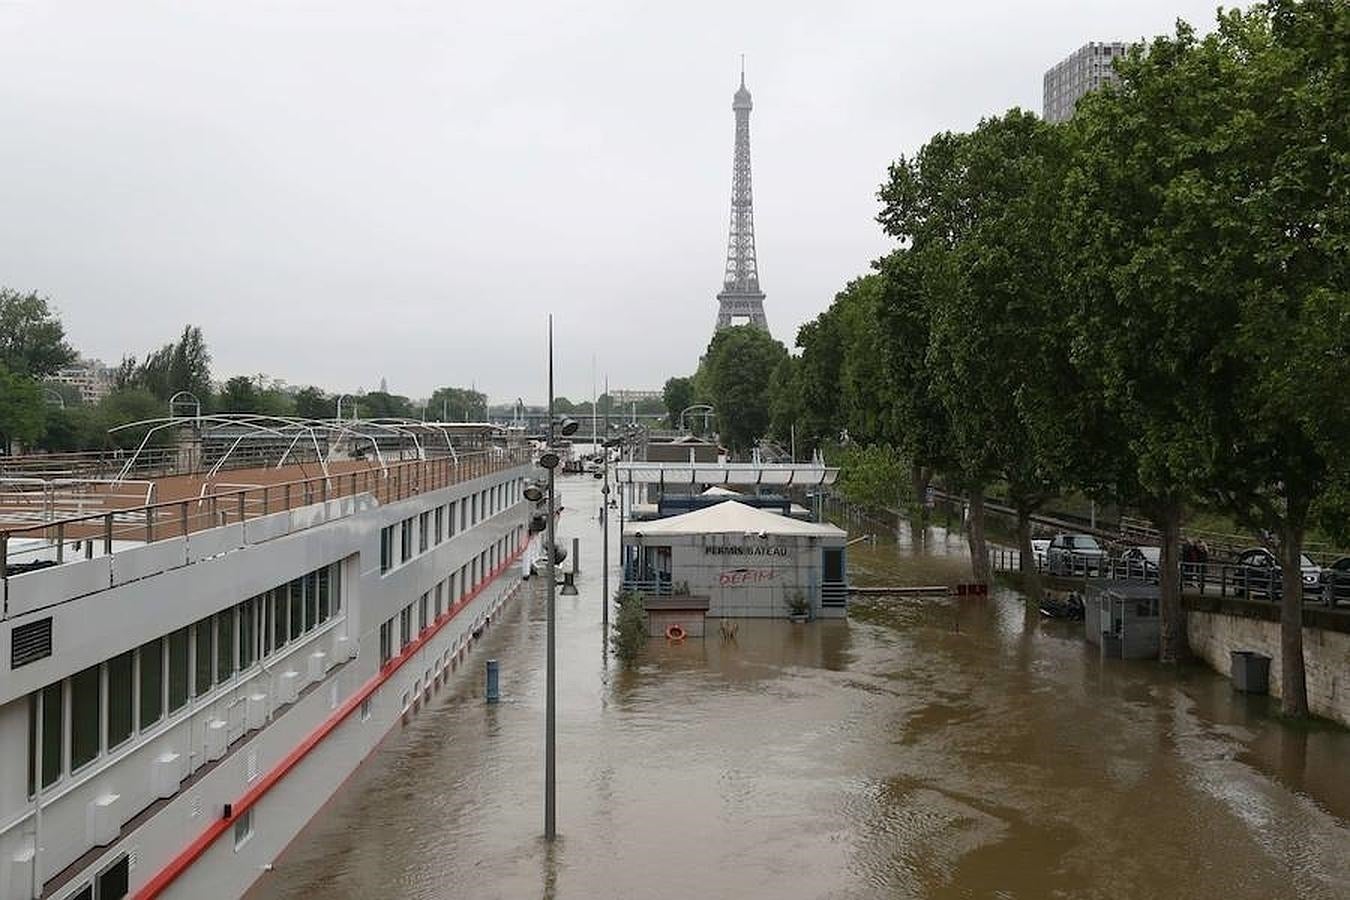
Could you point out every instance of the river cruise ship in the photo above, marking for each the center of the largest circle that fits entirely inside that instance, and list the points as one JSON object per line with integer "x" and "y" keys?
{"x": 200, "y": 643}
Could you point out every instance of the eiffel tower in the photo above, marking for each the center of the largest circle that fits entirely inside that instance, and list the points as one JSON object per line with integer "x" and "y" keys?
{"x": 741, "y": 300}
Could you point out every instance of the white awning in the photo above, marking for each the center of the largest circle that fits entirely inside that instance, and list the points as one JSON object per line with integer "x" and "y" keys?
{"x": 731, "y": 517}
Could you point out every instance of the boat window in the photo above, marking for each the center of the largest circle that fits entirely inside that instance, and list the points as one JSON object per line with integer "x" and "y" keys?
{"x": 204, "y": 669}
{"x": 243, "y": 828}
{"x": 386, "y": 549}
{"x": 440, "y": 524}
{"x": 423, "y": 531}
{"x": 335, "y": 587}
{"x": 224, "y": 645}
{"x": 248, "y": 635}
{"x": 440, "y": 598}
{"x": 85, "y": 708}
{"x": 422, "y": 614}
{"x": 386, "y": 642}
{"x": 120, "y": 703}
{"x": 324, "y": 575}
{"x": 151, "y": 661}
{"x": 405, "y": 627}
{"x": 47, "y": 705}
{"x": 405, "y": 540}
{"x": 178, "y": 670}
{"x": 311, "y": 600}
{"x": 297, "y": 595}
{"x": 279, "y": 608}
{"x": 114, "y": 881}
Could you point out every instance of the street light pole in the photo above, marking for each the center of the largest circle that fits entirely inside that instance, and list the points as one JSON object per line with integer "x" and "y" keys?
{"x": 550, "y": 699}
{"x": 604, "y": 523}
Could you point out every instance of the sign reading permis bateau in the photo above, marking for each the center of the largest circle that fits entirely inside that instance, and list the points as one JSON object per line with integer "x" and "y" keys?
{"x": 744, "y": 550}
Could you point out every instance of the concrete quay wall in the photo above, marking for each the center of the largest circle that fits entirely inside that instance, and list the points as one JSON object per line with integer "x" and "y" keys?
{"x": 1216, "y": 631}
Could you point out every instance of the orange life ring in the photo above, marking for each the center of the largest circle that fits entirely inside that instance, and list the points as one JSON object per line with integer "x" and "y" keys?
{"x": 675, "y": 632}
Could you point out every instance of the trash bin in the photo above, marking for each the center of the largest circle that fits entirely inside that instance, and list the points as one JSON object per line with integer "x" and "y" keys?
{"x": 1251, "y": 671}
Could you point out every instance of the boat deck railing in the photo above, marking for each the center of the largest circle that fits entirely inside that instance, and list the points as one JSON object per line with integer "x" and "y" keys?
{"x": 85, "y": 536}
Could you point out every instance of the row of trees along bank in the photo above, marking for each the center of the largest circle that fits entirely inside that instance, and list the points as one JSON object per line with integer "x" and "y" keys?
{"x": 1148, "y": 304}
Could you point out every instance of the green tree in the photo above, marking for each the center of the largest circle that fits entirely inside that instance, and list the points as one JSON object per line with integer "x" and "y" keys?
{"x": 23, "y": 413}
{"x": 737, "y": 370}
{"x": 678, "y": 395}
{"x": 382, "y": 405}
{"x": 128, "y": 405}
{"x": 873, "y": 475}
{"x": 312, "y": 403}
{"x": 32, "y": 341}
{"x": 1273, "y": 78}
{"x": 902, "y": 407}
{"x": 73, "y": 428}
{"x": 453, "y": 404}
{"x": 785, "y": 399}
{"x": 240, "y": 395}
{"x": 181, "y": 365}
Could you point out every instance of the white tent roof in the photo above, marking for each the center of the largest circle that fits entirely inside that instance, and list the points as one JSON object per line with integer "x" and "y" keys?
{"x": 731, "y": 517}
{"x": 716, "y": 491}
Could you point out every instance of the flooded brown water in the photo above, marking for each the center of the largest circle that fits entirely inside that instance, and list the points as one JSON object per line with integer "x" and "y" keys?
{"x": 935, "y": 748}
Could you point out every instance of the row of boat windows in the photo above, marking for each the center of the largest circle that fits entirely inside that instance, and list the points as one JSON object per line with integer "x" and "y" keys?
{"x": 97, "y": 710}
{"x": 444, "y": 595}
{"x": 436, "y": 525}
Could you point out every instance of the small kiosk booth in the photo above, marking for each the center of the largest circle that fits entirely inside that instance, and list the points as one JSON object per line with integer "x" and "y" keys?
{"x": 1122, "y": 619}
{"x": 733, "y": 560}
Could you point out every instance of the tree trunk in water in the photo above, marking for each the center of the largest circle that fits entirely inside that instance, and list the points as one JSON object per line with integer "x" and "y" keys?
{"x": 1293, "y": 679}
{"x": 979, "y": 551}
{"x": 1173, "y": 644}
{"x": 1031, "y": 576}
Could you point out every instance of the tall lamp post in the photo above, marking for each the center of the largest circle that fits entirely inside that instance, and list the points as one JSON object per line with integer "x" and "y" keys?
{"x": 550, "y": 460}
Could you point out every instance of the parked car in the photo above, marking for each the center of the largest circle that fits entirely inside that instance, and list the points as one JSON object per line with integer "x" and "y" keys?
{"x": 1075, "y": 554}
{"x": 1336, "y": 582}
{"x": 1038, "y": 548}
{"x": 1259, "y": 572}
{"x": 1141, "y": 562}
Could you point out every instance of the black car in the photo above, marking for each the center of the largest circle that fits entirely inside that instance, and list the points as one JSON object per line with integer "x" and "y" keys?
{"x": 1336, "y": 582}
{"x": 1259, "y": 574}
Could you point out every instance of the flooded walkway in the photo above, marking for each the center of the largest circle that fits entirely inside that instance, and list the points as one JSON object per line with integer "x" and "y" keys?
{"x": 922, "y": 749}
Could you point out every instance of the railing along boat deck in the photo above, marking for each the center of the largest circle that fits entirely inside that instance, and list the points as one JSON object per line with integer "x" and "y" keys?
{"x": 190, "y": 509}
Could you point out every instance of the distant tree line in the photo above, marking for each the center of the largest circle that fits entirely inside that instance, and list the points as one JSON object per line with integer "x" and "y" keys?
{"x": 1148, "y": 304}
{"x": 33, "y": 348}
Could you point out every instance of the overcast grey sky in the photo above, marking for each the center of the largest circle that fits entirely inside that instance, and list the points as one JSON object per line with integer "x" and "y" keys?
{"x": 338, "y": 192}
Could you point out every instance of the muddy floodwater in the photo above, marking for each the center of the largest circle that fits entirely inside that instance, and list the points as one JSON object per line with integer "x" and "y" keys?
{"x": 923, "y": 748}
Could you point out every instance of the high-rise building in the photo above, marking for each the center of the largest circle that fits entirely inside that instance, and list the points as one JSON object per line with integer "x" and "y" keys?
{"x": 1086, "y": 69}
{"x": 741, "y": 301}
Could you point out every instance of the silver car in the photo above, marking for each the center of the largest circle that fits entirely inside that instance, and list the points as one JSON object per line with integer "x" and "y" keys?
{"x": 1075, "y": 554}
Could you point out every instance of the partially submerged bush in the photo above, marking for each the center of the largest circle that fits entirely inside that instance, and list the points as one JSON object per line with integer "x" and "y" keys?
{"x": 630, "y": 626}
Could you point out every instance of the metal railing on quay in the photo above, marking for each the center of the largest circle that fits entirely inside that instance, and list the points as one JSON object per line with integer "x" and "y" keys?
{"x": 86, "y": 536}
{"x": 648, "y": 587}
{"x": 1215, "y": 579}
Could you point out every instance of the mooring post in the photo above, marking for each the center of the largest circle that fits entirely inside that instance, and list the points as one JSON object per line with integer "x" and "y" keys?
{"x": 493, "y": 682}
{"x": 576, "y": 557}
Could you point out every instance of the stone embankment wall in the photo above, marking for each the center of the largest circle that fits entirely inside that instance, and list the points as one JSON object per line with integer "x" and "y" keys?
{"x": 1215, "y": 632}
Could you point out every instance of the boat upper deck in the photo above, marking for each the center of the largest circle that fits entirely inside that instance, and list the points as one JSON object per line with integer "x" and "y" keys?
{"x": 62, "y": 515}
